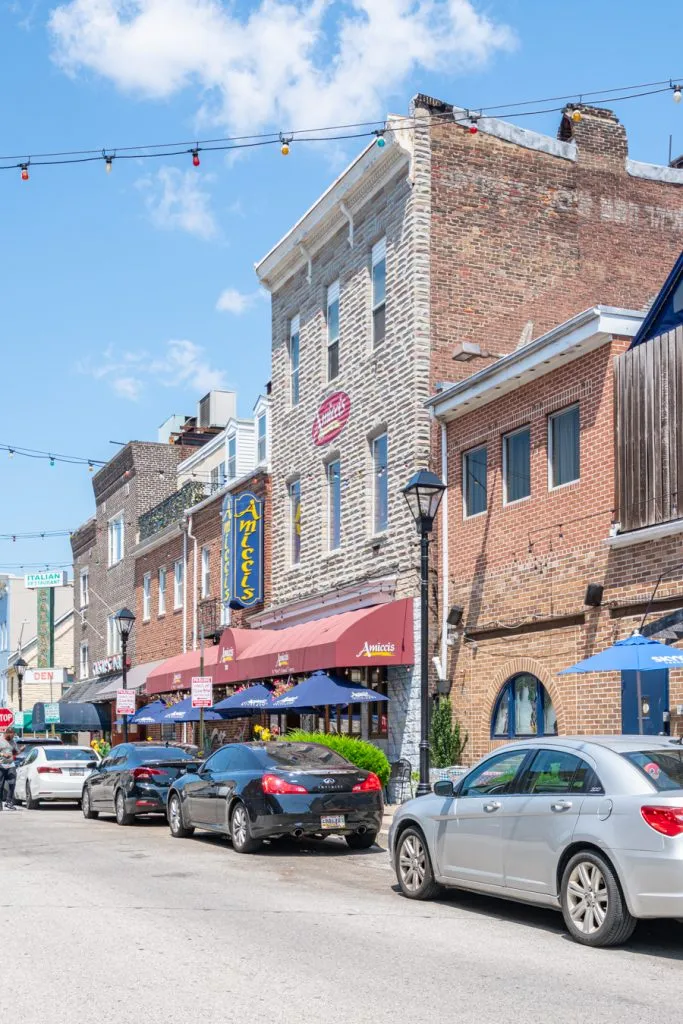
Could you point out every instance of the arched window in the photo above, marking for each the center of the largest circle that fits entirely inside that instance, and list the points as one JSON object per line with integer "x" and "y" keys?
{"x": 523, "y": 708}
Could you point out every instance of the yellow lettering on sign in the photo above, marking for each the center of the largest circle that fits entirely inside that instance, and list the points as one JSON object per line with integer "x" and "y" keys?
{"x": 251, "y": 508}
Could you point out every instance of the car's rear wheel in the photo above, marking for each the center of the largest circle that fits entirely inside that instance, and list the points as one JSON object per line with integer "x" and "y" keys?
{"x": 32, "y": 802}
{"x": 86, "y": 805}
{"x": 240, "y": 831}
{"x": 361, "y": 842}
{"x": 122, "y": 815}
{"x": 414, "y": 866}
{"x": 593, "y": 905}
{"x": 175, "y": 819}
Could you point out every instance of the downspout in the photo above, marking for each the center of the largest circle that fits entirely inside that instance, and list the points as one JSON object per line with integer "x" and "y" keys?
{"x": 194, "y": 581}
{"x": 185, "y": 588}
{"x": 444, "y": 552}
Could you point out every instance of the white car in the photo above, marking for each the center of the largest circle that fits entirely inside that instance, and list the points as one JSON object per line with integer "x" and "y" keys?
{"x": 54, "y": 773}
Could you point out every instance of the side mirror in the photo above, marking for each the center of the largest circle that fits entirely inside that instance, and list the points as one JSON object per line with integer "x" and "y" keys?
{"x": 444, "y": 787}
{"x": 93, "y": 764}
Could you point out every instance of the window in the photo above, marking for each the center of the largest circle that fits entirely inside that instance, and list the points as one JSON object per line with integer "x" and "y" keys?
{"x": 162, "y": 591}
{"x": 516, "y": 465}
{"x": 147, "y": 596}
{"x": 113, "y": 636}
{"x": 261, "y": 439}
{"x": 333, "y": 331}
{"x": 380, "y": 479}
{"x": 116, "y": 539}
{"x": 334, "y": 505}
{"x": 563, "y": 447}
{"x": 84, "y": 664}
{"x": 474, "y": 481}
{"x": 178, "y": 584}
{"x": 495, "y": 775}
{"x": 85, "y": 588}
{"x": 379, "y": 710}
{"x": 523, "y": 708}
{"x": 222, "y": 761}
{"x": 664, "y": 768}
{"x": 232, "y": 457}
{"x": 206, "y": 571}
{"x": 379, "y": 288}
{"x": 295, "y": 521}
{"x": 555, "y": 771}
{"x": 216, "y": 474}
{"x": 294, "y": 328}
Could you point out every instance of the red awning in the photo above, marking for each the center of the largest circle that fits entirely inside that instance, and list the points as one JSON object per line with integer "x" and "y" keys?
{"x": 381, "y": 635}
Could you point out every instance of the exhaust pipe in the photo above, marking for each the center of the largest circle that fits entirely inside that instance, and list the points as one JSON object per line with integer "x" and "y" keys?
{"x": 297, "y": 833}
{"x": 362, "y": 830}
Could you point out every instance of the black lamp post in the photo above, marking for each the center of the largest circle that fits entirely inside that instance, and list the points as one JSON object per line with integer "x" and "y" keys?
{"x": 423, "y": 493}
{"x": 20, "y": 667}
{"x": 125, "y": 620}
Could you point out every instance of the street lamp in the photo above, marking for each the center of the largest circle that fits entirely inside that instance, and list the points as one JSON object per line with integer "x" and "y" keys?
{"x": 423, "y": 493}
{"x": 125, "y": 620}
{"x": 20, "y": 667}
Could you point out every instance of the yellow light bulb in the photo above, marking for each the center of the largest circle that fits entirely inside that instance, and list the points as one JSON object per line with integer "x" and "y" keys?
{"x": 284, "y": 149}
{"x": 577, "y": 116}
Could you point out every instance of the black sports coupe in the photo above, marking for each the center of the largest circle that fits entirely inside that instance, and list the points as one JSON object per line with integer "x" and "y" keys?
{"x": 257, "y": 791}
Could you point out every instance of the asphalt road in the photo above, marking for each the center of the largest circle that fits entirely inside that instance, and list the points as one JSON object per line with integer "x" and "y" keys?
{"x": 106, "y": 924}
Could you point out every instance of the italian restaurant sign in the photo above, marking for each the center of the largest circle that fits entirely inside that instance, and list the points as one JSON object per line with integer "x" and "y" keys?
{"x": 242, "y": 552}
{"x": 331, "y": 418}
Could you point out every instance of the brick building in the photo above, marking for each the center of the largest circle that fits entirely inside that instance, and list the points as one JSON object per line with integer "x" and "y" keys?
{"x": 426, "y": 260}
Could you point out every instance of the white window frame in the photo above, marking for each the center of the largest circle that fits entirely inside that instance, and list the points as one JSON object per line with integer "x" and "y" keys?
{"x": 85, "y": 587}
{"x": 147, "y": 597}
{"x": 178, "y": 584}
{"x": 333, "y": 296}
{"x": 84, "y": 661}
{"x": 161, "y": 605}
{"x": 206, "y": 572}
{"x": 294, "y": 370}
{"x": 113, "y": 637}
{"x": 375, "y": 475}
{"x": 331, "y": 546}
{"x": 118, "y": 518}
{"x": 379, "y": 254}
{"x": 262, "y": 457}
{"x": 552, "y": 416}
{"x": 232, "y": 458}
{"x": 512, "y": 433}
{"x": 471, "y": 451}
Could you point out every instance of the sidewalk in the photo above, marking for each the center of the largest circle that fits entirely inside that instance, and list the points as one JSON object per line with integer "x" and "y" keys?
{"x": 387, "y": 818}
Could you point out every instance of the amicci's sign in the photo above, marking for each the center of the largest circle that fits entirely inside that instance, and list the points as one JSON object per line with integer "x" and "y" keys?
{"x": 331, "y": 418}
{"x": 242, "y": 551}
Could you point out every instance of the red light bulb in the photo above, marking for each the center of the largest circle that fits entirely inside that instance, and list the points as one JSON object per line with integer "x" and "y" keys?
{"x": 473, "y": 129}
{"x": 24, "y": 173}
{"x": 195, "y": 158}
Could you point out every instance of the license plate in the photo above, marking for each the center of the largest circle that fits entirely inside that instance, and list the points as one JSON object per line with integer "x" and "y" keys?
{"x": 76, "y": 771}
{"x": 332, "y": 821}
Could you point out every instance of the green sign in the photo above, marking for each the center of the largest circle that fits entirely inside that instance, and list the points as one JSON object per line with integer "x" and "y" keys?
{"x": 52, "y": 714}
{"x": 45, "y": 627}
{"x": 19, "y": 719}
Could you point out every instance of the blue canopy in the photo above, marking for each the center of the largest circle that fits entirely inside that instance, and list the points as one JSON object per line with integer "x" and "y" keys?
{"x": 249, "y": 701}
{"x": 150, "y": 714}
{"x": 321, "y": 690}
{"x": 184, "y": 712}
{"x": 635, "y": 654}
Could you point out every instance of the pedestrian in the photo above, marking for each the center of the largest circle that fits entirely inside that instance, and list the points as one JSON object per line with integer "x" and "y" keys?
{"x": 8, "y": 773}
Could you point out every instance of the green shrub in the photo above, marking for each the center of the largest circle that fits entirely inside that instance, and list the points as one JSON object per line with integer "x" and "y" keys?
{"x": 445, "y": 742}
{"x": 358, "y": 752}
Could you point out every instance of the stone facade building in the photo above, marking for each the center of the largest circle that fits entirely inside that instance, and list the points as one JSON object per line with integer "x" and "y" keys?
{"x": 430, "y": 257}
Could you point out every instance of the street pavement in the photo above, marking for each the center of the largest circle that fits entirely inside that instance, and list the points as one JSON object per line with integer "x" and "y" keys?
{"x": 100, "y": 923}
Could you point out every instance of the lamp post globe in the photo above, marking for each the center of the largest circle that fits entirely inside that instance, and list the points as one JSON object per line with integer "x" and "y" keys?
{"x": 20, "y": 667}
{"x": 125, "y": 620}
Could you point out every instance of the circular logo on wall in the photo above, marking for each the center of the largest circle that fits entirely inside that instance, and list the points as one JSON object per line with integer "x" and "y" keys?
{"x": 331, "y": 418}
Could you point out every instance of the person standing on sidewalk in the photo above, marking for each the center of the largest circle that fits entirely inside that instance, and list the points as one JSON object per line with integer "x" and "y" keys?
{"x": 8, "y": 773}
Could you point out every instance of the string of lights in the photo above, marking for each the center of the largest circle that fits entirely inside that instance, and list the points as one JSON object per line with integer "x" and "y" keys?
{"x": 51, "y": 457}
{"x": 35, "y": 535}
{"x": 334, "y": 133}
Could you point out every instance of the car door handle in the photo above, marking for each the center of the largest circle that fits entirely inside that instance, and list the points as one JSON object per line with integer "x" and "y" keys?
{"x": 493, "y": 806}
{"x": 561, "y": 805}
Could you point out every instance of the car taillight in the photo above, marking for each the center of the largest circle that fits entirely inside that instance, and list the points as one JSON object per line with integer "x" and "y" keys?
{"x": 274, "y": 786}
{"x": 667, "y": 820}
{"x": 370, "y": 785}
{"x": 49, "y": 770}
{"x": 146, "y": 774}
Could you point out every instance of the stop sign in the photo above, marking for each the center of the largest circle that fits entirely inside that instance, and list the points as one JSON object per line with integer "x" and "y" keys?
{"x": 6, "y": 718}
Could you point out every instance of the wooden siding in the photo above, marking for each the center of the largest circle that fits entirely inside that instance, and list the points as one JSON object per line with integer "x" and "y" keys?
{"x": 649, "y": 430}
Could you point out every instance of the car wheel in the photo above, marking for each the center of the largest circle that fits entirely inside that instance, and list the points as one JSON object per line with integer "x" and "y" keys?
{"x": 414, "y": 866}
{"x": 361, "y": 842}
{"x": 175, "y": 819}
{"x": 593, "y": 905}
{"x": 122, "y": 815}
{"x": 86, "y": 806}
{"x": 240, "y": 831}
{"x": 32, "y": 803}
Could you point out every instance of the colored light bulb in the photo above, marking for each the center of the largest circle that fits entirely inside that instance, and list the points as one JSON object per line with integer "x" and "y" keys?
{"x": 108, "y": 164}
{"x": 677, "y": 94}
{"x": 24, "y": 172}
{"x": 195, "y": 158}
{"x": 577, "y": 116}
{"x": 284, "y": 148}
{"x": 381, "y": 141}
{"x": 473, "y": 129}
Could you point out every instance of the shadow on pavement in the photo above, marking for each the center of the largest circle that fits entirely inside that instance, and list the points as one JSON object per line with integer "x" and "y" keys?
{"x": 296, "y": 848}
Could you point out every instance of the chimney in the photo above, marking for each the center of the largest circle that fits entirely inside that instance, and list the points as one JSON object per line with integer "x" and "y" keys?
{"x": 599, "y": 136}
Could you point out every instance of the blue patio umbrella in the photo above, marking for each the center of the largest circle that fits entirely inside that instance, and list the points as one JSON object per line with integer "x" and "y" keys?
{"x": 635, "y": 654}
{"x": 184, "y": 712}
{"x": 250, "y": 701}
{"x": 321, "y": 690}
{"x": 150, "y": 714}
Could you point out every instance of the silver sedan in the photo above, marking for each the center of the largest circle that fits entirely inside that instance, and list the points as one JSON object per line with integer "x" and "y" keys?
{"x": 591, "y": 825}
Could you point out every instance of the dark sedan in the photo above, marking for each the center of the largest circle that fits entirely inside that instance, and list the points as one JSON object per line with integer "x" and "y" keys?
{"x": 257, "y": 791}
{"x": 134, "y": 779}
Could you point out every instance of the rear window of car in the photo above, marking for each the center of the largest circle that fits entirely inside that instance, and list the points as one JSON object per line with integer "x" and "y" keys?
{"x": 664, "y": 768}
{"x": 162, "y": 754}
{"x": 304, "y": 755}
{"x": 69, "y": 754}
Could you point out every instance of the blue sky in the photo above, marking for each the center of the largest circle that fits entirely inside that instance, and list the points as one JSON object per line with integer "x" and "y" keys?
{"x": 112, "y": 284}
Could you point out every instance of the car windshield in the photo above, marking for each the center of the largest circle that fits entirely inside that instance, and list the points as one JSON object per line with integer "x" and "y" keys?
{"x": 304, "y": 755}
{"x": 664, "y": 768}
{"x": 162, "y": 754}
{"x": 69, "y": 754}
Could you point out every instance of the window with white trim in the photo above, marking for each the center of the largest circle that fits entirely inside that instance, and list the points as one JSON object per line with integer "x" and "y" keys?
{"x": 206, "y": 571}
{"x": 333, "y": 331}
{"x": 380, "y": 483}
{"x": 84, "y": 662}
{"x": 147, "y": 596}
{"x": 294, "y": 343}
{"x": 232, "y": 457}
{"x": 85, "y": 587}
{"x": 178, "y": 573}
{"x": 379, "y": 291}
{"x": 334, "y": 505}
{"x": 516, "y": 465}
{"x": 564, "y": 433}
{"x": 161, "y": 607}
{"x": 262, "y": 438}
{"x": 113, "y": 636}
{"x": 115, "y": 536}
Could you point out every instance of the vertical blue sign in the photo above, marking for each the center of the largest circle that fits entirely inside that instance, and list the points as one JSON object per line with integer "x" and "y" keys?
{"x": 247, "y": 550}
{"x": 226, "y": 552}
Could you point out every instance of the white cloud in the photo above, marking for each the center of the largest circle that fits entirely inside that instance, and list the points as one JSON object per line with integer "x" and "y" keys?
{"x": 186, "y": 366}
{"x": 283, "y": 64}
{"x": 127, "y": 387}
{"x": 183, "y": 365}
{"x": 177, "y": 200}
{"x": 233, "y": 301}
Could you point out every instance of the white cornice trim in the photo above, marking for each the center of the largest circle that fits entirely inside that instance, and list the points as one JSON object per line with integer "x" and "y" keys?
{"x": 647, "y": 533}
{"x": 345, "y": 599}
